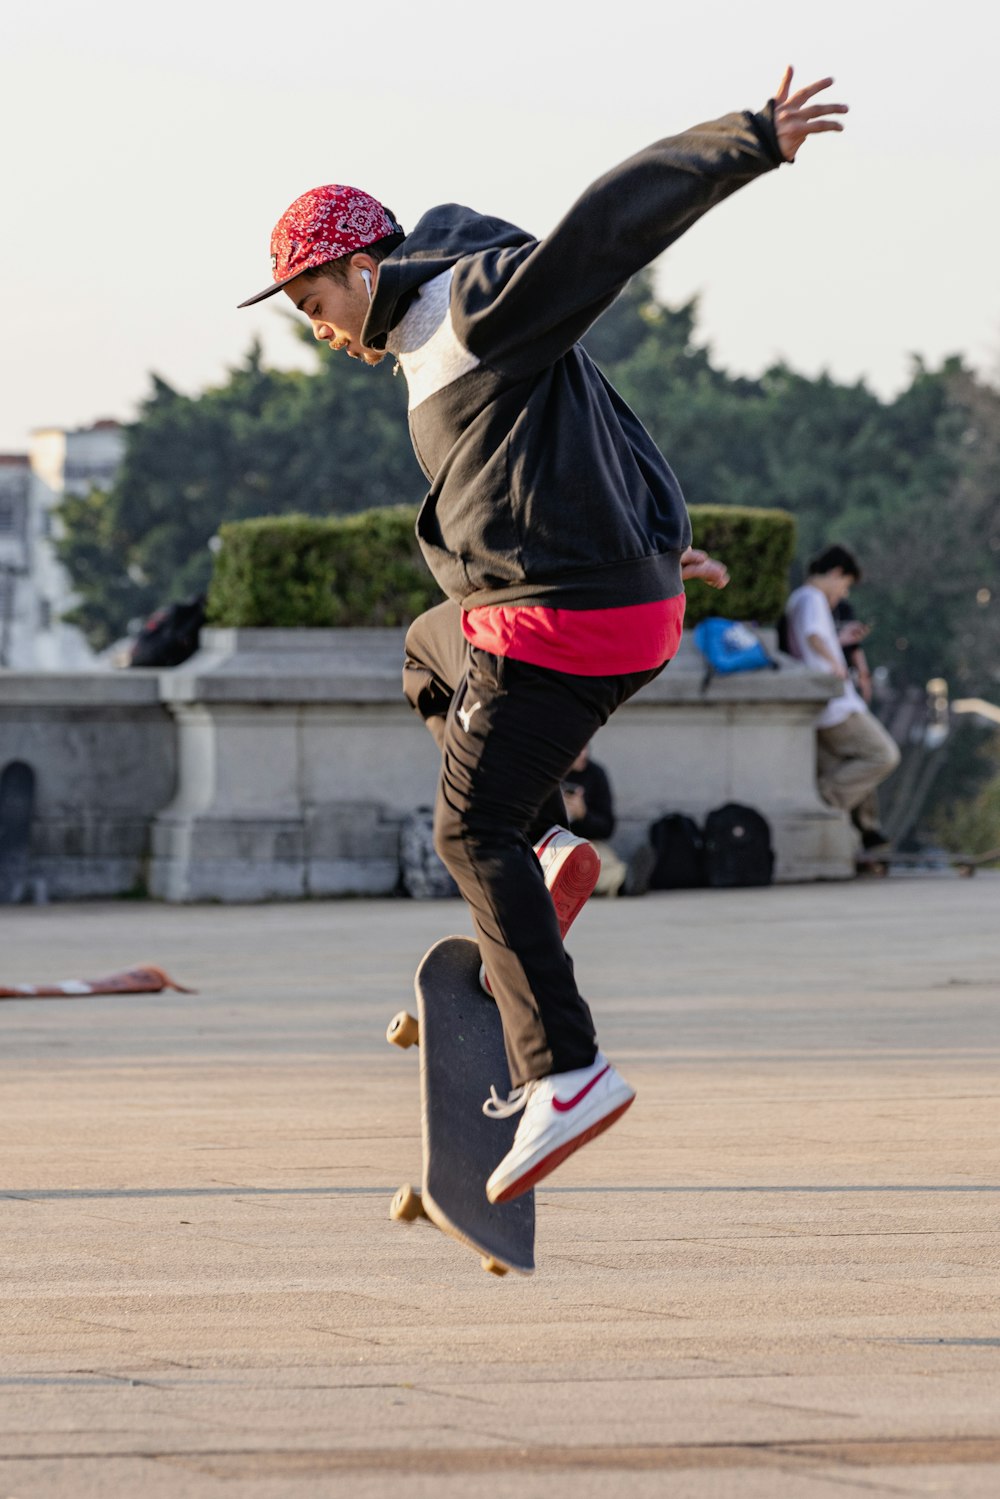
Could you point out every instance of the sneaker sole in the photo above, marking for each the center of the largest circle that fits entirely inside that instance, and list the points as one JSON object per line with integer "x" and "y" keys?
{"x": 574, "y": 884}
{"x": 542, "y": 1168}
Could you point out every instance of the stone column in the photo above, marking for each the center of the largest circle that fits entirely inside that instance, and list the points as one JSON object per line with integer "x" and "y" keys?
{"x": 298, "y": 759}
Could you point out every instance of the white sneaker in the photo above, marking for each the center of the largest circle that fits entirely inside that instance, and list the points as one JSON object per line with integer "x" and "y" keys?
{"x": 571, "y": 867}
{"x": 561, "y": 1113}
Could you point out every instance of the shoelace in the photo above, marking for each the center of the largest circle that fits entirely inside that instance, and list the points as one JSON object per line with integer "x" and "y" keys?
{"x": 496, "y": 1107}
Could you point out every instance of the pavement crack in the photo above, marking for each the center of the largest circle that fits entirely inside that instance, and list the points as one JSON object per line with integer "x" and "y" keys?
{"x": 808, "y": 1410}
{"x": 347, "y": 1336}
{"x": 633, "y": 1313}
{"x": 125, "y": 1379}
{"x": 86, "y": 1322}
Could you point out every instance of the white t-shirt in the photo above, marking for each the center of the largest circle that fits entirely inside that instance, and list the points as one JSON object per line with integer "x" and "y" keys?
{"x": 808, "y": 613}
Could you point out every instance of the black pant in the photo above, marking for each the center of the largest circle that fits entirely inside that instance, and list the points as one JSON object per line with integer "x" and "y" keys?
{"x": 508, "y": 734}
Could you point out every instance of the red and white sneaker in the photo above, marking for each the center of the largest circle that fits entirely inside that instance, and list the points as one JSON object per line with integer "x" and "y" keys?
{"x": 571, "y": 867}
{"x": 561, "y": 1113}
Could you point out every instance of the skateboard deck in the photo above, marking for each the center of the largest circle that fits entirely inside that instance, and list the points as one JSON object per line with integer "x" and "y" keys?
{"x": 963, "y": 864}
{"x": 461, "y": 1055}
{"x": 17, "y": 806}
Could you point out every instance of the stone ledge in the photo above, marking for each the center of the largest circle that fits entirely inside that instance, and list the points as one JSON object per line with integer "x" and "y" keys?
{"x": 364, "y": 666}
{"x": 87, "y": 689}
{"x": 280, "y": 764}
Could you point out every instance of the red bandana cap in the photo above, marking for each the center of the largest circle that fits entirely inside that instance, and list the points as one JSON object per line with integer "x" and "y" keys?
{"x": 324, "y": 224}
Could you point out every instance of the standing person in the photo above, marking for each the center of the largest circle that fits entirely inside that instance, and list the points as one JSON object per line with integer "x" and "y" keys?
{"x": 556, "y": 529}
{"x": 854, "y": 752}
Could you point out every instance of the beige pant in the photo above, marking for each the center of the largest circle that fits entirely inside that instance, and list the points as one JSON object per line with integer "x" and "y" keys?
{"x": 613, "y": 871}
{"x": 851, "y": 759}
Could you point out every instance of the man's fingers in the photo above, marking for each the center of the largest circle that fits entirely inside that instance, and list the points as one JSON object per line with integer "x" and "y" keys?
{"x": 795, "y": 120}
{"x": 815, "y": 110}
{"x": 803, "y": 94}
{"x": 794, "y": 126}
{"x": 783, "y": 87}
{"x": 814, "y": 127}
{"x": 715, "y": 574}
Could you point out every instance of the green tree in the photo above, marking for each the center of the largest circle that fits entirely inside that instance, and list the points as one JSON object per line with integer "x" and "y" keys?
{"x": 912, "y": 484}
{"x": 266, "y": 442}
{"x": 933, "y": 548}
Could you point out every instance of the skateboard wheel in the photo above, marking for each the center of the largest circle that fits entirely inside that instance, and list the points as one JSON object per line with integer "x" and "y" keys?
{"x": 406, "y": 1206}
{"x": 403, "y": 1030}
{"x": 492, "y": 1266}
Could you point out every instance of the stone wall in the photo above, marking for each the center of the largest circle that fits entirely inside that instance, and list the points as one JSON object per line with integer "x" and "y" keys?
{"x": 279, "y": 764}
{"x": 104, "y": 751}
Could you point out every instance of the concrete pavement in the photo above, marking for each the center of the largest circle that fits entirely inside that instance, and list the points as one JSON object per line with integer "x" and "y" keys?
{"x": 777, "y": 1276}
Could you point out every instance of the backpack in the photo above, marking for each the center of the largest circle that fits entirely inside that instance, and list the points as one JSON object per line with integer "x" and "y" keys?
{"x": 783, "y": 635}
{"x": 423, "y": 875}
{"x": 729, "y": 645}
{"x": 679, "y": 853}
{"x": 170, "y": 635}
{"x": 737, "y": 847}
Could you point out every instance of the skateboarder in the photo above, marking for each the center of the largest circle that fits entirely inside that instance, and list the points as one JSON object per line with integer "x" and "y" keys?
{"x": 554, "y": 526}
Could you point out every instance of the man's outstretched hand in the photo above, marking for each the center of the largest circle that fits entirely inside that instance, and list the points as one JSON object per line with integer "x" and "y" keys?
{"x": 795, "y": 117}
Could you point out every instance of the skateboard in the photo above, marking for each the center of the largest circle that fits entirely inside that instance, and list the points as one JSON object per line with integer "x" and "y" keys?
{"x": 963, "y": 864}
{"x": 17, "y": 806}
{"x": 460, "y": 1037}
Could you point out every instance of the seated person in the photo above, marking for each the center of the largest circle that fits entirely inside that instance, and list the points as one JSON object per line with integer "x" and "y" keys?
{"x": 854, "y": 752}
{"x": 590, "y": 809}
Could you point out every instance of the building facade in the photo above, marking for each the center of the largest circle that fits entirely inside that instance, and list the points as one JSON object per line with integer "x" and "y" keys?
{"x": 15, "y": 557}
{"x": 35, "y": 589}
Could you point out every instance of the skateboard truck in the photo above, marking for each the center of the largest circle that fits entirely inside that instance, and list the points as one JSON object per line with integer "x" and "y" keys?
{"x": 403, "y": 1030}
{"x": 407, "y": 1207}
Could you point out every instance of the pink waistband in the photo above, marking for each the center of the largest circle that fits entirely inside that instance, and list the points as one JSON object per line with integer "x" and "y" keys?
{"x": 583, "y": 642}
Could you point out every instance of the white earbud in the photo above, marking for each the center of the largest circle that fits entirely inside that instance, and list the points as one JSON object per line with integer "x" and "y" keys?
{"x": 366, "y": 277}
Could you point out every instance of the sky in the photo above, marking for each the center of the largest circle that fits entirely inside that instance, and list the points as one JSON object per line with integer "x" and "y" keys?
{"x": 149, "y": 150}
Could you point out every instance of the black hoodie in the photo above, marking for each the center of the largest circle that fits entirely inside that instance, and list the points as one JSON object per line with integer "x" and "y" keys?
{"x": 545, "y": 487}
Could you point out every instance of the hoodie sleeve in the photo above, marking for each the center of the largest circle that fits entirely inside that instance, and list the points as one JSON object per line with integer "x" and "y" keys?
{"x": 519, "y": 309}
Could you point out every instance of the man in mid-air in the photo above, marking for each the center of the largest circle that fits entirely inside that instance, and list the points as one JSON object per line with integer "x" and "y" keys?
{"x": 556, "y": 529}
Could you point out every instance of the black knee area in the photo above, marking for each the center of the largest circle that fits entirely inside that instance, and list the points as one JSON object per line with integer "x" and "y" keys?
{"x": 463, "y": 838}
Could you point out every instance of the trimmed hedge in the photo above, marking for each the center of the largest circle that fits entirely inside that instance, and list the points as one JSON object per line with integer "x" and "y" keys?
{"x": 300, "y": 571}
{"x": 757, "y": 546}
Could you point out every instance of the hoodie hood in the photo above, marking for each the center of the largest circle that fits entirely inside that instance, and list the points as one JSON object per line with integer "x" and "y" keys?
{"x": 441, "y": 238}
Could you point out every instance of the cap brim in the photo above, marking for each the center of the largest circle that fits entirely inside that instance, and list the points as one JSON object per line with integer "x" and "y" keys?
{"x": 268, "y": 291}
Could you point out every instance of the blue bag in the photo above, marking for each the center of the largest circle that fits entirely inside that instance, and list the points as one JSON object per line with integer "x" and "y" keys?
{"x": 729, "y": 645}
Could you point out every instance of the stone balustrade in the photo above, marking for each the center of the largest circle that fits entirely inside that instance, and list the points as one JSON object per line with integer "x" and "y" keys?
{"x": 278, "y": 764}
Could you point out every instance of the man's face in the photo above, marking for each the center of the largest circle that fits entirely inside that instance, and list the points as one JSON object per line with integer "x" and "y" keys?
{"x": 840, "y": 586}
{"x": 337, "y": 309}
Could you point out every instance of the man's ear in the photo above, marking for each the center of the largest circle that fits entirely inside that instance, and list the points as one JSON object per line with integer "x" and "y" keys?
{"x": 360, "y": 261}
